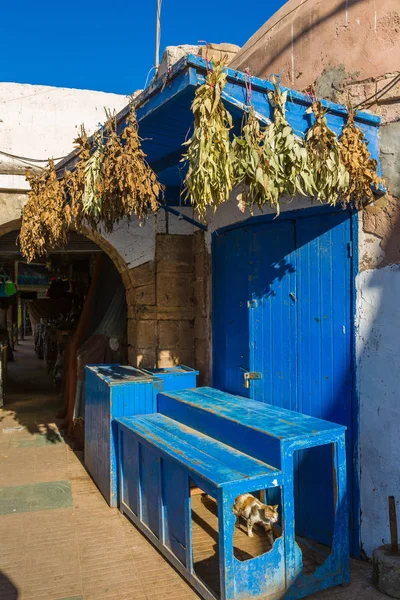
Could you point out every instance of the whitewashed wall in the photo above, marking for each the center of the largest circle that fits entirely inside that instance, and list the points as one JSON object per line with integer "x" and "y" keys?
{"x": 42, "y": 122}
{"x": 378, "y": 370}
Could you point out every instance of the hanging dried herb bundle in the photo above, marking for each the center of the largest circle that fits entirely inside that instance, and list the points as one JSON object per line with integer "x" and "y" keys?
{"x": 330, "y": 178}
{"x": 92, "y": 197}
{"x": 357, "y": 160}
{"x": 44, "y": 220}
{"x": 252, "y": 171}
{"x": 136, "y": 185}
{"x": 75, "y": 181}
{"x": 287, "y": 158}
{"x": 118, "y": 180}
{"x": 210, "y": 176}
{"x": 110, "y": 208}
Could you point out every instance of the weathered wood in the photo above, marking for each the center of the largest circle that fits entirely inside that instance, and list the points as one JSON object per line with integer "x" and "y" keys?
{"x": 394, "y": 536}
{"x": 227, "y": 445}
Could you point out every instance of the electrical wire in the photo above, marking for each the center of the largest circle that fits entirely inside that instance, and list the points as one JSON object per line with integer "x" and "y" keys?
{"x": 382, "y": 92}
{"x": 148, "y": 75}
{"x": 28, "y": 160}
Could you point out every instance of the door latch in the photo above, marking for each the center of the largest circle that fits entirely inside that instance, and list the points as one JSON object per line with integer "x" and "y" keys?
{"x": 248, "y": 376}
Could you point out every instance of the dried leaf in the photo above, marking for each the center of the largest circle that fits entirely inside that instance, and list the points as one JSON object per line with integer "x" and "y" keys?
{"x": 357, "y": 160}
{"x": 210, "y": 176}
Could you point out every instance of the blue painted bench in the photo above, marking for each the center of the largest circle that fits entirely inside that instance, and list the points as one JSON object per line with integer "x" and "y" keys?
{"x": 228, "y": 445}
{"x": 158, "y": 459}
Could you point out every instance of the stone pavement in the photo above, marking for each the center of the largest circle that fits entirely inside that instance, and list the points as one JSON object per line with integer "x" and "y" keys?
{"x": 59, "y": 540}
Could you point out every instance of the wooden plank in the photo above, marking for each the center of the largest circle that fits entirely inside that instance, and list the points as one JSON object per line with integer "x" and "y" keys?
{"x": 227, "y": 430}
{"x": 226, "y": 454}
{"x": 193, "y": 459}
{"x": 271, "y": 420}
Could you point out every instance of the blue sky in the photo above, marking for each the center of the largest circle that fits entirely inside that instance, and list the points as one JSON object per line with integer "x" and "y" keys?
{"x": 109, "y": 45}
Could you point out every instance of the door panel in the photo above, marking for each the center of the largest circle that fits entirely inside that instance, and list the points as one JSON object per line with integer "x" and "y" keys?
{"x": 272, "y": 313}
{"x": 230, "y": 314}
{"x": 324, "y": 357}
{"x": 282, "y": 307}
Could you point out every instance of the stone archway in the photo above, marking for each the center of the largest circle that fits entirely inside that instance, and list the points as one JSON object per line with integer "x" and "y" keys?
{"x": 104, "y": 244}
{"x": 121, "y": 266}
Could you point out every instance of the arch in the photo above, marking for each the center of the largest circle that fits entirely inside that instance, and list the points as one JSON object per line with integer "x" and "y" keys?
{"x": 123, "y": 269}
{"x": 104, "y": 244}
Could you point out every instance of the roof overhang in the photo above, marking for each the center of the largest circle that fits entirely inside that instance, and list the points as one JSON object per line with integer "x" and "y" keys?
{"x": 165, "y": 118}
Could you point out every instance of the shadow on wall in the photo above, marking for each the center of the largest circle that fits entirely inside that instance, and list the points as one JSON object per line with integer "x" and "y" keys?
{"x": 304, "y": 31}
{"x": 378, "y": 365}
{"x": 8, "y": 591}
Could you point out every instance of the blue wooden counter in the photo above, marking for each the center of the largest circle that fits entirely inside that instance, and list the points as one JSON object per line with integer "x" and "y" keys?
{"x": 112, "y": 391}
{"x": 274, "y": 435}
{"x": 228, "y": 445}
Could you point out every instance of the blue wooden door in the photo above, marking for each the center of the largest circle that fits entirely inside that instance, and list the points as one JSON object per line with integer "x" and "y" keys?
{"x": 231, "y": 341}
{"x": 325, "y": 373}
{"x": 282, "y": 308}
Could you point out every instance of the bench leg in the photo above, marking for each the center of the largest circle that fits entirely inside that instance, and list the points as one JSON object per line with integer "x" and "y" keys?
{"x": 336, "y": 567}
{"x": 293, "y": 559}
{"x": 342, "y": 547}
{"x": 226, "y": 525}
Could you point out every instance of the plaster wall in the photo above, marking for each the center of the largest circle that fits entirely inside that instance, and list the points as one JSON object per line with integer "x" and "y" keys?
{"x": 41, "y": 122}
{"x": 378, "y": 365}
{"x": 305, "y": 37}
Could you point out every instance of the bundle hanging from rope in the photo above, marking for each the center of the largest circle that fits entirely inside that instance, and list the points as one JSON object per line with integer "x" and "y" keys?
{"x": 210, "y": 176}
{"x": 252, "y": 171}
{"x": 362, "y": 169}
{"x": 286, "y": 155}
{"x": 45, "y": 221}
{"x": 75, "y": 180}
{"x": 329, "y": 176}
{"x": 92, "y": 199}
{"x": 119, "y": 181}
{"x": 139, "y": 190}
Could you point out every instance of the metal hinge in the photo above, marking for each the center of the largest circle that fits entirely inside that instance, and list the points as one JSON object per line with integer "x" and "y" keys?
{"x": 350, "y": 249}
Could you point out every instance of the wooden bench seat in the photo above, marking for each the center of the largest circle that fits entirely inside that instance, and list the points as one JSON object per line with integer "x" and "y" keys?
{"x": 159, "y": 459}
{"x": 205, "y": 458}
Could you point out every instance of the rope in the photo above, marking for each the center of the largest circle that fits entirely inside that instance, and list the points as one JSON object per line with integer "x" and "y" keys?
{"x": 248, "y": 86}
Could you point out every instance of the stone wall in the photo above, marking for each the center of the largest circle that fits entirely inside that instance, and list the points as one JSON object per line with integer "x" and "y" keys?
{"x": 202, "y": 308}
{"x": 161, "y": 306}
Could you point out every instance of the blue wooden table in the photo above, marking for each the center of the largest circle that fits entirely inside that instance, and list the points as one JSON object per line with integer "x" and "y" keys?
{"x": 228, "y": 445}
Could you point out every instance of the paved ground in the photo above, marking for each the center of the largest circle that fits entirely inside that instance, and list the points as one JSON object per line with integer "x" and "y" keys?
{"x": 58, "y": 538}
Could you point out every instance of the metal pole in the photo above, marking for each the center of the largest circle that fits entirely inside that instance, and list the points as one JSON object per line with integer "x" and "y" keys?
{"x": 394, "y": 538}
{"x": 158, "y": 30}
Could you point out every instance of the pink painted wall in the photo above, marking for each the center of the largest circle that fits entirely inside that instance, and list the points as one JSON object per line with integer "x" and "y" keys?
{"x": 306, "y": 36}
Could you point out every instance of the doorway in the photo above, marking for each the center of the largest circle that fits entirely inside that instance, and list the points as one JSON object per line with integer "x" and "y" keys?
{"x": 283, "y": 298}
{"x": 67, "y": 310}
